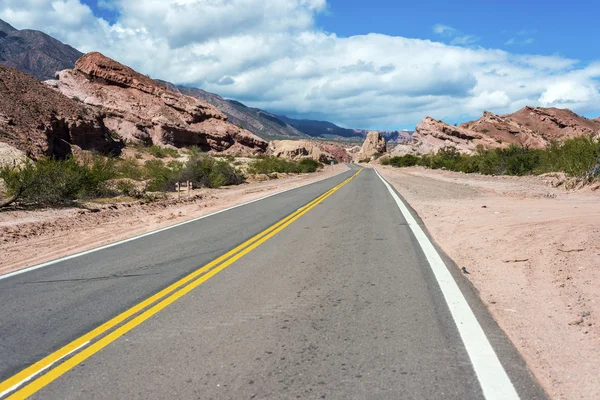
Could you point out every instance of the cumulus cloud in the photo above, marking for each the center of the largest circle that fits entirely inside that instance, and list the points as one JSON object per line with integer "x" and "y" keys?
{"x": 270, "y": 54}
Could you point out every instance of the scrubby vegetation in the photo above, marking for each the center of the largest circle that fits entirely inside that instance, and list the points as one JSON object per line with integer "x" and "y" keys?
{"x": 49, "y": 181}
{"x": 270, "y": 164}
{"x": 202, "y": 171}
{"x": 163, "y": 152}
{"x": 577, "y": 157}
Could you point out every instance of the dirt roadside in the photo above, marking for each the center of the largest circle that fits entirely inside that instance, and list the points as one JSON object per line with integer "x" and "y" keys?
{"x": 33, "y": 237}
{"x": 532, "y": 251}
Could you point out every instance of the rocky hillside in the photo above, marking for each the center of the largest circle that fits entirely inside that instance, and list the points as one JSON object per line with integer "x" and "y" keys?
{"x": 139, "y": 109}
{"x": 34, "y": 52}
{"x": 532, "y": 127}
{"x": 39, "y": 121}
{"x": 257, "y": 121}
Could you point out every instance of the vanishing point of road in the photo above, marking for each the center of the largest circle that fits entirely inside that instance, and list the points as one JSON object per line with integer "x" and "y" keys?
{"x": 332, "y": 290}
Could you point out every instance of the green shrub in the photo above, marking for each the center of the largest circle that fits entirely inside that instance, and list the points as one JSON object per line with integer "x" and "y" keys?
{"x": 365, "y": 160}
{"x": 202, "y": 171}
{"x": 50, "y": 182}
{"x": 578, "y": 157}
{"x": 308, "y": 165}
{"x": 162, "y": 152}
{"x": 129, "y": 168}
{"x": 270, "y": 164}
{"x": 403, "y": 161}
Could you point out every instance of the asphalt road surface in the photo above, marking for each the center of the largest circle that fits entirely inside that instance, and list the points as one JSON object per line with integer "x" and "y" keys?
{"x": 334, "y": 300}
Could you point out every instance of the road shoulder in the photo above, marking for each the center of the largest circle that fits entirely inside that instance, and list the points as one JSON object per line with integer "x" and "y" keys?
{"x": 514, "y": 237}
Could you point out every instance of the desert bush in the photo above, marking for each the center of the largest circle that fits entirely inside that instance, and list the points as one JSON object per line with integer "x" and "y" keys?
{"x": 49, "y": 181}
{"x": 578, "y": 157}
{"x": 202, "y": 171}
{"x": 163, "y": 152}
{"x": 365, "y": 160}
{"x": 129, "y": 168}
{"x": 403, "y": 161}
{"x": 270, "y": 164}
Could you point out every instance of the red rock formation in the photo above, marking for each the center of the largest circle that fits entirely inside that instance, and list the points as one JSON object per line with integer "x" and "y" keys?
{"x": 555, "y": 124}
{"x": 337, "y": 151}
{"x": 432, "y": 135}
{"x": 531, "y": 126}
{"x": 140, "y": 109}
{"x": 39, "y": 121}
{"x": 504, "y": 130}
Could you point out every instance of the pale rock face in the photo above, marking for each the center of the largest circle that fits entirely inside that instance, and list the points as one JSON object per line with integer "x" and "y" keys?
{"x": 374, "y": 144}
{"x": 11, "y": 156}
{"x": 139, "y": 109}
{"x": 299, "y": 149}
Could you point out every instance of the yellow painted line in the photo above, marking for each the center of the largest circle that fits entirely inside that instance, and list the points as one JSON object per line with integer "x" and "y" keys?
{"x": 229, "y": 258}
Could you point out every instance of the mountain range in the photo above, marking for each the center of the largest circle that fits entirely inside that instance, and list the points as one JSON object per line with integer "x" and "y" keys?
{"x": 34, "y": 52}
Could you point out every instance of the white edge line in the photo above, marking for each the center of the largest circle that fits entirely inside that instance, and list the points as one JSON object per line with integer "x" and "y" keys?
{"x": 86, "y": 252}
{"x": 494, "y": 381}
{"x": 19, "y": 384}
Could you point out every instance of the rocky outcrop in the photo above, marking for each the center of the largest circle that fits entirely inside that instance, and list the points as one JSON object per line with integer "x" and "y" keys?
{"x": 299, "y": 149}
{"x": 554, "y": 123}
{"x": 138, "y": 109}
{"x": 338, "y": 152}
{"x": 10, "y": 155}
{"x": 506, "y": 131}
{"x": 39, "y": 121}
{"x": 373, "y": 145}
{"x": 432, "y": 135}
{"x": 532, "y": 127}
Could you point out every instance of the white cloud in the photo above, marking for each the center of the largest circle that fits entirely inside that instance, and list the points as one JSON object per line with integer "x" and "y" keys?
{"x": 441, "y": 29}
{"x": 269, "y": 54}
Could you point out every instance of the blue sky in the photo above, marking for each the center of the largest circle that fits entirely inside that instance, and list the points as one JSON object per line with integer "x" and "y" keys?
{"x": 377, "y": 64}
{"x": 542, "y": 27}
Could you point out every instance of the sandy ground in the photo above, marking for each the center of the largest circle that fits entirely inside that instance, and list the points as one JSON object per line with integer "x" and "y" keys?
{"x": 33, "y": 237}
{"x": 532, "y": 251}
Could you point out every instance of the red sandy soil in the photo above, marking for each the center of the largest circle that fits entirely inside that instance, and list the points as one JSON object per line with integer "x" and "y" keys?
{"x": 532, "y": 251}
{"x": 32, "y": 237}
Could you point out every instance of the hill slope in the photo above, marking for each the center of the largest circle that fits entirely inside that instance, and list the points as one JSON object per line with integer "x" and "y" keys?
{"x": 34, "y": 52}
{"x": 257, "y": 121}
{"x": 38, "y": 121}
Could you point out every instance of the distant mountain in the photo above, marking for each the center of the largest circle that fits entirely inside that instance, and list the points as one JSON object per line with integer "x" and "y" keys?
{"x": 328, "y": 130}
{"x": 320, "y": 128}
{"x": 257, "y": 121}
{"x": 34, "y": 52}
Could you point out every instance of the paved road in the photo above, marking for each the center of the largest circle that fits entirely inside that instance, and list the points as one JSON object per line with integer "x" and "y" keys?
{"x": 341, "y": 303}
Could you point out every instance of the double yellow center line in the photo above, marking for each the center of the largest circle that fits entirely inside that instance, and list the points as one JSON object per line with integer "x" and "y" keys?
{"x": 81, "y": 349}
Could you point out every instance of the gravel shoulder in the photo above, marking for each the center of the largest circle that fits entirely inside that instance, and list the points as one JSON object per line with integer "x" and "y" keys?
{"x": 31, "y": 237}
{"x": 532, "y": 251}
